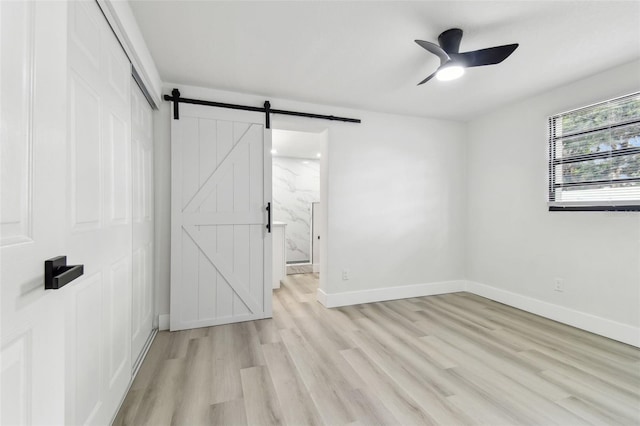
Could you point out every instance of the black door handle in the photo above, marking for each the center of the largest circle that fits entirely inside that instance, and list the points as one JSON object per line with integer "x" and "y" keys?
{"x": 58, "y": 274}
{"x": 269, "y": 217}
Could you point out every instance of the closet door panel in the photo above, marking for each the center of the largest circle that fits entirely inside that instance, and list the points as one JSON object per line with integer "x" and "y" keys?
{"x": 32, "y": 165}
{"x": 142, "y": 208}
{"x": 67, "y": 190}
{"x": 99, "y": 114}
{"x": 86, "y": 155}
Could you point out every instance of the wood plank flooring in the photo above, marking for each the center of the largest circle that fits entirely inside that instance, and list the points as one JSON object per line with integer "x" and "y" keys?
{"x": 299, "y": 269}
{"x": 455, "y": 359}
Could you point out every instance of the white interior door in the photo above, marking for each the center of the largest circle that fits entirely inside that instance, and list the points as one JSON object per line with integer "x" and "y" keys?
{"x": 142, "y": 210}
{"x": 220, "y": 248}
{"x": 100, "y": 232}
{"x": 32, "y": 214}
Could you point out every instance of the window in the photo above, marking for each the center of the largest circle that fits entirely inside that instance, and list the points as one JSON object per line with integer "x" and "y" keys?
{"x": 594, "y": 157}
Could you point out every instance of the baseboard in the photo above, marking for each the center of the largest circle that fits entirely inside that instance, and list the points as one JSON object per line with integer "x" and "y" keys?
{"x": 322, "y": 297}
{"x": 612, "y": 329}
{"x": 316, "y": 268}
{"x": 163, "y": 322}
{"x": 332, "y": 300}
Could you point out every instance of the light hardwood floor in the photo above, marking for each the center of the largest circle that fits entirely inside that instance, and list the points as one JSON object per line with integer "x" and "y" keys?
{"x": 299, "y": 269}
{"x": 453, "y": 359}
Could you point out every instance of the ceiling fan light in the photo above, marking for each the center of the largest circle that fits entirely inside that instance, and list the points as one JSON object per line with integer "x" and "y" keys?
{"x": 450, "y": 73}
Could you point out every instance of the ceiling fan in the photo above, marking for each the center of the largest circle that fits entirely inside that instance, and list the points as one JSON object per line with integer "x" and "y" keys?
{"x": 453, "y": 63}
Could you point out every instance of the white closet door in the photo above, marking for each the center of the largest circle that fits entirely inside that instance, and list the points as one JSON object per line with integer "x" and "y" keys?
{"x": 142, "y": 208}
{"x": 32, "y": 217}
{"x": 220, "y": 249}
{"x": 100, "y": 232}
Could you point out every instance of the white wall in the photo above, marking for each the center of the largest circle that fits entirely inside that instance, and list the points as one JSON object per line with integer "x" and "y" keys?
{"x": 296, "y": 184}
{"x": 516, "y": 245}
{"x": 396, "y": 202}
{"x": 395, "y": 192}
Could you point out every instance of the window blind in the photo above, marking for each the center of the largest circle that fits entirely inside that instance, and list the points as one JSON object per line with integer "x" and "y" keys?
{"x": 594, "y": 155}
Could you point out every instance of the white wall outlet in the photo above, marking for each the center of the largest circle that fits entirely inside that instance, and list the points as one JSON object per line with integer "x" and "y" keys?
{"x": 345, "y": 274}
{"x": 559, "y": 285}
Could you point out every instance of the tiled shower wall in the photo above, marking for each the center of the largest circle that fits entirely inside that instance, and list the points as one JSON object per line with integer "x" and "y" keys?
{"x": 296, "y": 184}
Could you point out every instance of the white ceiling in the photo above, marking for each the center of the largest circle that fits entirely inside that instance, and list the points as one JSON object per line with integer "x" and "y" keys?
{"x": 362, "y": 54}
{"x": 289, "y": 143}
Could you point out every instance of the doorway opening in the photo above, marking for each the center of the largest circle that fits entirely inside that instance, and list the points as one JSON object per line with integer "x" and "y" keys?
{"x": 296, "y": 178}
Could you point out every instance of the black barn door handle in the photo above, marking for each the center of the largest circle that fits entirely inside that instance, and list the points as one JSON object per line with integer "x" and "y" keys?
{"x": 269, "y": 217}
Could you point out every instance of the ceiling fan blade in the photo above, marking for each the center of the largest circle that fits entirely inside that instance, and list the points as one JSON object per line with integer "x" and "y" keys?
{"x": 490, "y": 56}
{"x": 428, "y": 78}
{"x": 450, "y": 40}
{"x": 435, "y": 49}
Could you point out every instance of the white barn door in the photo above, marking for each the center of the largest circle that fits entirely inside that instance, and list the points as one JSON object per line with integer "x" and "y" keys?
{"x": 220, "y": 247}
